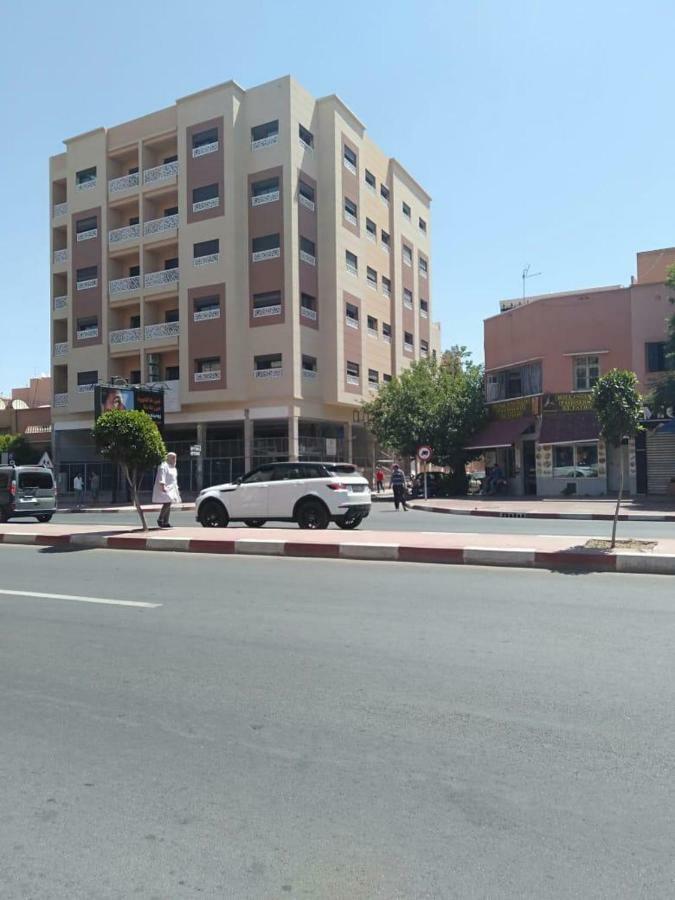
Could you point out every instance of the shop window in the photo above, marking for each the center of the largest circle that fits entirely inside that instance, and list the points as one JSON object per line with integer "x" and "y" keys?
{"x": 575, "y": 461}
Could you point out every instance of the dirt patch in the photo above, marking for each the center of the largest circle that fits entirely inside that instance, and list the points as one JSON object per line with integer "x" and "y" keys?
{"x": 629, "y": 544}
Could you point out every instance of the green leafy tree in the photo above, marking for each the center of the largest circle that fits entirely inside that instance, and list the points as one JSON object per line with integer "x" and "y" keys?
{"x": 439, "y": 404}
{"x": 132, "y": 440}
{"x": 618, "y": 405}
{"x": 662, "y": 397}
{"x": 19, "y": 447}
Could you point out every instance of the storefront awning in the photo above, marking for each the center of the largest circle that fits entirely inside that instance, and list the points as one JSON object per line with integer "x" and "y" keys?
{"x": 500, "y": 433}
{"x": 667, "y": 427}
{"x": 569, "y": 428}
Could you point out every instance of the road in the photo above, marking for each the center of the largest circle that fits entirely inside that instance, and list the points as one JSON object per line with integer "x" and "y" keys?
{"x": 384, "y": 518}
{"x": 319, "y": 729}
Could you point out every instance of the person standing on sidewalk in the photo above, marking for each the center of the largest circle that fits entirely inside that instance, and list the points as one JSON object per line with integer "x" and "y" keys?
{"x": 94, "y": 485}
{"x": 166, "y": 490}
{"x": 379, "y": 479}
{"x": 397, "y": 484}
{"x": 78, "y": 487}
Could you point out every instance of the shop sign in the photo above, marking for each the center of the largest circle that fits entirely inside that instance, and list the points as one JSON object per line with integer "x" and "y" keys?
{"x": 514, "y": 409}
{"x": 581, "y": 402}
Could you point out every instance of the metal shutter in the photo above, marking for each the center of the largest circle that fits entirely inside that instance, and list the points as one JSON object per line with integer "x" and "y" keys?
{"x": 660, "y": 461}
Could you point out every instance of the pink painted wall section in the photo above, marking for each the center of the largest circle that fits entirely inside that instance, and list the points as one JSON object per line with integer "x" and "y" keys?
{"x": 424, "y": 292}
{"x": 206, "y": 338}
{"x": 549, "y": 329}
{"x": 87, "y": 253}
{"x": 408, "y": 282}
{"x": 650, "y": 309}
{"x": 653, "y": 265}
{"x": 350, "y": 186}
{"x": 309, "y": 275}
{"x": 205, "y": 170}
{"x": 352, "y": 344}
{"x": 266, "y": 275}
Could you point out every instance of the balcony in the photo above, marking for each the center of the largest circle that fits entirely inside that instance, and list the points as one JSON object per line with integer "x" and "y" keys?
{"x": 60, "y": 257}
{"x": 212, "y": 375}
{"x": 307, "y": 258}
{"x": 268, "y": 373}
{"x": 409, "y": 348}
{"x": 160, "y": 173}
{"x": 162, "y": 330}
{"x": 157, "y": 226}
{"x": 60, "y": 400}
{"x": 408, "y": 304}
{"x": 262, "y": 199}
{"x": 204, "y": 149}
{"x": 88, "y": 185}
{"x": 60, "y": 209}
{"x": 351, "y": 321}
{"x": 61, "y": 302}
{"x": 125, "y": 183}
{"x": 61, "y": 348}
{"x": 124, "y": 285}
{"x": 87, "y": 334}
{"x": 263, "y": 311}
{"x": 305, "y": 201}
{"x": 85, "y": 388}
{"x": 262, "y": 255}
{"x": 159, "y": 279}
{"x": 424, "y": 314}
{"x": 206, "y": 260}
{"x": 87, "y": 235}
{"x": 265, "y": 142}
{"x": 201, "y": 205}
{"x": 87, "y": 285}
{"x": 204, "y": 315}
{"x": 308, "y": 313}
{"x": 127, "y": 233}
{"x": 124, "y": 336}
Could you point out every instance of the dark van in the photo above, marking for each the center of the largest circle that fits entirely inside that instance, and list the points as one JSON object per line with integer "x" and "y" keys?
{"x": 27, "y": 491}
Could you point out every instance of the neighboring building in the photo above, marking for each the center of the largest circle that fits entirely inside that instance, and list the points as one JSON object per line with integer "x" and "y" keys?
{"x": 542, "y": 358}
{"x": 251, "y": 250}
{"x": 27, "y": 411}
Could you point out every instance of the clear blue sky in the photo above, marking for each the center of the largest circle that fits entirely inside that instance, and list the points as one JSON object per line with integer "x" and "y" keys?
{"x": 543, "y": 131}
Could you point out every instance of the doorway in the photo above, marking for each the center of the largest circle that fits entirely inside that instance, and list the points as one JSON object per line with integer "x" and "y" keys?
{"x": 529, "y": 469}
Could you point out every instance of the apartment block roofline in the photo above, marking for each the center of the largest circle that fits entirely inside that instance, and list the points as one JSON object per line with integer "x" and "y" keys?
{"x": 231, "y": 83}
{"x": 84, "y": 134}
{"x": 413, "y": 185}
{"x": 351, "y": 117}
{"x": 658, "y": 250}
{"x": 558, "y": 295}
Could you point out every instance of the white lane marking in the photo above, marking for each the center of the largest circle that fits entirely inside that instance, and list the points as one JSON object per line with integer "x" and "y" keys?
{"x": 135, "y": 603}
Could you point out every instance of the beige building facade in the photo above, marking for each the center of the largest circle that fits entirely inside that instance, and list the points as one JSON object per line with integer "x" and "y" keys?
{"x": 255, "y": 253}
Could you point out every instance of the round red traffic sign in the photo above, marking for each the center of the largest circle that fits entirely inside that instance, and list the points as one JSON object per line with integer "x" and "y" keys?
{"x": 424, "y": 453}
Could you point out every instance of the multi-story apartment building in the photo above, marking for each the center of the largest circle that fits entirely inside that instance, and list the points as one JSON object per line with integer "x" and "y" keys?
{"x": 543, "y": 355}
{"x": 251, "y": 250}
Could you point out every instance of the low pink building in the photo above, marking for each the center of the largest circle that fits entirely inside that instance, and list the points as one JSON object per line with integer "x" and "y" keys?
{"x": 543, "y": 355}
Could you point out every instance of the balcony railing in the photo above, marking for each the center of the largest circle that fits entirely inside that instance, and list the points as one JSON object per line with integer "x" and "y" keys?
{"x": 424, "y": 314}
{"x": 87, "y": 285}
{"x": 307, "y": 258}
{"x": 160, "y": 173}
{"x": 386, "y": 291}
{"x": 60, "y": 209}
{"x": 353, "y": 379}
{"x": 60, "y": 256}
{"x": 308, "y": 313}
{"x": 60, "y": 400}
{"x": 125, "y": 183}
{"x": 211, "y": 375}
{"x": 372, "y": 284}
{"x": 305, "y": 201}
{"x": 204, "y": 149}
{"x": 85, "y": 388}
{"x": 155, "y": 226}
{"x": 262, "y": 255}
{"x": 423, "y": 273}
{"x": 204, "y": 315}
{"x": 265, "y": 142}
{"x": 277, "y": 372}
{"x": 384, "y": 246}
{"x": 206, "y": 260}
{"x": 201, "y": 205}
{"x": 351, "y": 218}
{"x": 87, "y": 334}
{"x": 162, "y": 330}
{"x": 386, "y": 338}
{"x": 261, "y": 311}
{"x": 371, "y": 236}
{"x": 61, "y": 348}
{"x": 408, "y": 304}
{"x": 88, "y": 235}
{"x": 409, "y": 348}
{"x": 125, "y": 336}
{"x": 261, "y": 199}
{"x": 372, "y": 332}
{"x": 309, "y": 373}
{"x": 126, "y": 233}
{"x": 157, "y": 279}
{"x": 352, "y": 269}
{"x": 352, "y": 322}
{"x": 86, "y": 185}
{"x": 61, "y": 302}
{"x": 122, "y": 285}
{"x": 349, "y": 166}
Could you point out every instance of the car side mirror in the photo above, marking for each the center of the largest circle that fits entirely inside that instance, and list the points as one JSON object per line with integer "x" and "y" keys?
{"x": 237, "y": 480}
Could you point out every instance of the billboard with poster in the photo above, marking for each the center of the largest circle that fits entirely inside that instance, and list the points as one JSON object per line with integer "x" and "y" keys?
{"x": 150, "y": 400}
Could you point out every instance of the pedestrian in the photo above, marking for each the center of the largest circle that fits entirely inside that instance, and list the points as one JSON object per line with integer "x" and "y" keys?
{"x": 397, "y": 484}
{"x": 379, "y": 479}
{"x": 78, "y": 487}
{"x": 94, "y": 485}
{"x": 166, "y": 490}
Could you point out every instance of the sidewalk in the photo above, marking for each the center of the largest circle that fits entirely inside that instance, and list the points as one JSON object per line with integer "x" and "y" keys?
{"x": 531, "y": 551}
{"x": 643, "y": 509}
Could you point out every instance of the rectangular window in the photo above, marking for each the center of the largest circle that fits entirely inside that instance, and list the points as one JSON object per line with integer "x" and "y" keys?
{"x": 408, "y": 340}
{"x": 407, "y": 255}
{"x": 370, "y": 179}
{"x": 384, "y": 237}
{"x": 371, "y": 229}
{"x": 87, "y": 328}
{"x": 352, "y": 315}
{"x": 424, "y": 309}
{"x": 268, "y": 133}
{"x": 586, "y": 372}
{"x": 384, "y": 193}
{"x": 422, "y": 225}
{"x": 171, "y": 211}
{"x": 351, "y": 211}
{"x": 407, "y": 298}
{"x": 170, "y": 159}
{"x": 656, "y": 356}
{"x": 306, "y": 192}
{"x": 266, "y": 190}
{"x": 386, "y": 378}
{"x": 172, "y": 373}
{"x": 353, "y": 373}
{"x": 208, "y": 192}
{"x": 306, "y": 137}
{"x": 267, "y": 304}
{"x": 308, "y": 307}
{"x": 373, "y": 376}
{"x": 206, "y": 248}
{"x": 207, "y": 304}
{"x": 86, "y": 378}
{"x": 575, "y": 461}
{"x": 350, "y": 160}
{"x": 406, "y": 210}
{"x": 424, "y": 347}
{"x": 371, "y": 275}
{"x": 423, "y": 267}
{"x": 307, "y": 251}
{"x": 372, "y": 326}
{"x": 308, "y": 363}
{"x": 265, "y": 363}
{"x": 352, "y": 262}
{"x": 171, "y": 315}
{"x": 86, "y": 278}
{"x": 208, "y": 364}
{"x": 84, "y": 225}
{"x": 522, "y": 382}
{"x": 386, "y": 332}
{"x": 171, "y": 263}
{"x": 204, "y": 139}
{"x": 86, "y": 176}
{"x": 386, "y": 286}
{"x": 266, "y": 247}
{"x": 135, "y": 376}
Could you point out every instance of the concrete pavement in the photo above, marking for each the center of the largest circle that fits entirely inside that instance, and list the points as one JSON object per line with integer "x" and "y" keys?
{"x": 640, "y": 509}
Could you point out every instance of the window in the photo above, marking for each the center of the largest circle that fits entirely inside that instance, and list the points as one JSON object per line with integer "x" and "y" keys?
{"x": 384, "y": 193}
{"x": 86, "y": 176}
{"x": 407, "y": 298}
{"x": 86, "y": 277}
{"x": 308, "y": 307}
{"x": 575, "y": 461}
{"x": 408, "y": 341}
{"x": 373, "y": 377}
{"x": 353, "y": 373}
{"x": 84, "y": 225}
{"x": 306, "y": 194}
{"x": 352, "y": 315}
{"x": 265, "y": 134}
{"x": 384, "y": 237}
{"x": 171, "y": 211}
{"x": 42, "y": 481}
{"x": 422, "y": 225}
{"x": 521, "y": 382}
{"x": 267, "y": 188}
{"x": 134, "y": 321}
{"x": 371, "y": 229}
{"x": 267, "y": 363}
{"x": 423, "y": 266}
{"x": 370, "y": 179}
{"x": 171, "y": 263}
{"x": 170, "y": 159}
{"x": 386, "y": 286}
{"x": 657, "y": 361}
{"x": 84, "y": 379}
{"x": 134, "y": 271}
{"x": 424, "y": 309}
{"x": 203, "y": 139}
{"x": 406, "y": 210}
{"x": 207, "y": 304}
{"x": 371, "y": 275}
{"x": 352, "y": 262}
{"x": 171, "y": 315}
{"x": 350, "y": 211}
{"x": 307, "y": 251}
{"x": 87, "y": 328}
{"x": 172, "y": 373}
{"x": 407, "y": 255}
{"x": 586, "y": 372}
{"x": 306, "y": 137}
{"x": 202, "y": 194}
{"x": 266, "y": 304}
{"x": 386, "y": 332}
{"x": 266, "y": 247}
{"x": 424, "y": 347}
{"x": 133, "y": 170}
{"x": 372, "y": 326}
{"x": 206, "y": 248}
{"x": 349, "y": 158}
{"x": 208, "y": 364}
{"x": 386, "y": 378}
{"x": 134, "y": 220}
{"x": 308, "y": 363}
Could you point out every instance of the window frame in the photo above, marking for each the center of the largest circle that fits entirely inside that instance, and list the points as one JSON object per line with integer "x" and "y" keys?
{"x": 577, "y": 368}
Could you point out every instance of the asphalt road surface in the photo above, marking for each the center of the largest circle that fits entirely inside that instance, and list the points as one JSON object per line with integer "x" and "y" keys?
{"x": 267, "y": 728}
{"x": 385, "y": 518}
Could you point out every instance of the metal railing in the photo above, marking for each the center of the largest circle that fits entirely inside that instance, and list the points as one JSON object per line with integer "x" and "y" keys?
{"x": 61, "y": 302}
{"x": 262, "y": 255}
{"x": 162, "y": 330}
{"x": 125, "y": 336}
{"x": 60, "y": 256}
{"x": 126, "y": 233}
{"x": 261, "y": 199}
{"x": 61, "y": 348}
{"x": 60, "y": 209}
{"x": 160, "y": 173}
{"x": 122, "y": 285}
{"x": 157, "y": 279}
{"x": 156, "y": 226}
{"x": 204, "y": 149}
{"x": 124, "y": 183}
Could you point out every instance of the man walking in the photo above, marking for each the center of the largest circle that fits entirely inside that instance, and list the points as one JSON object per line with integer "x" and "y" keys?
{"x": 379, "y": 479}
{"x": 166, "y": 490}
{"x": 78, "y": 487}
{"x": 94, "y": 485}
{"x": 397, "y": 484}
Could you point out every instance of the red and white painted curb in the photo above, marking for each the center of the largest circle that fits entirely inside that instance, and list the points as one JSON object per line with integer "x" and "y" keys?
{"x": 579, "y": 560}
{"x": 536, "y": 514}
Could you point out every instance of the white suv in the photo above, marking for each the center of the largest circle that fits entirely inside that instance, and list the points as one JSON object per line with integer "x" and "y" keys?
{"x": 310, "y": 493}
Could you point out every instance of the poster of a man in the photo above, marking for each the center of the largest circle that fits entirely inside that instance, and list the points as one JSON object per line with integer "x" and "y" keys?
{"x": 116, "y": 398}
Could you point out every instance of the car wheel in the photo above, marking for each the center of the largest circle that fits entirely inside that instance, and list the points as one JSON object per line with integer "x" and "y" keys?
{"x": 254, "y": 523}
{"x": 312, "y": 514}
{"x": 348, "y": 523}
{"x": 213, "y": 514}
{"x": 44, "y": 518}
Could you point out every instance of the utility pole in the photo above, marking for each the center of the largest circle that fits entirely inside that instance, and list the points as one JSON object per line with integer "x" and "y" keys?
{"x": 527, "y": 274}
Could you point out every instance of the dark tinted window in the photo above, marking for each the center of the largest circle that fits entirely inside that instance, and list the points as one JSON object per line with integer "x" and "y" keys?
{"x": 208, "y": 192}
{"x": 85, "y": 175}
{"x": 4, "y": 479}
{"x": 86, "y": 225}
{"x": 87, "y": 273}
{"x": 266, "y": 242}
{"x": 206, "y": 248}
{"x": 266, "y": 186}
{"x": 293, "y": 471}
{"x": 210, "y": 136}
{"x": 39, "y": 480}
{"x": 90, "y": 377}
{"x": 269, "y": 129}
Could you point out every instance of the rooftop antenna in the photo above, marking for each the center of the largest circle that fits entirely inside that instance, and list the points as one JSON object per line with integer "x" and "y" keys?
{"x": 527, "y": 274}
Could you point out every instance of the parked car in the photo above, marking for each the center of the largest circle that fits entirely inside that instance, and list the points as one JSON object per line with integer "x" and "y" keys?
{"x": 27, "y": 491}
{"x": 435, "y": 484}
{"x": 313, "y": 494}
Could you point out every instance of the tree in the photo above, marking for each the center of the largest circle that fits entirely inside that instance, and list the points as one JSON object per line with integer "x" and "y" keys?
{"x": 132, "y": 440}
{"x": 430, "y": 403}
{"x": 18, "y": 446}
{"x": 618, "y": 405}
{"x": 662, "y": 397}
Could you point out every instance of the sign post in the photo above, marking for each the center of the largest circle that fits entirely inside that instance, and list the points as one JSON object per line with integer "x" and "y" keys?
{"x": 424, "y": 454}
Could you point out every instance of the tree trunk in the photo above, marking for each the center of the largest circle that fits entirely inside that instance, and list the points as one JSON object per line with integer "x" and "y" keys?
{"x": 618, "y": 499}
{"x": 133, "y": 484}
